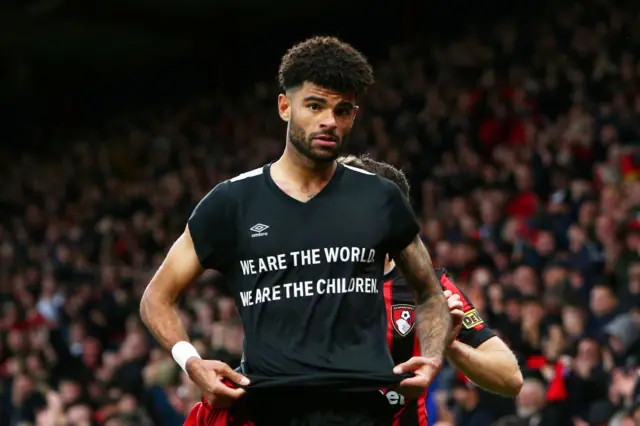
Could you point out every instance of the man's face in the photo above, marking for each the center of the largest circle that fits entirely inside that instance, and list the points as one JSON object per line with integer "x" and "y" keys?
{"x": 79, "y": 415}
{"x": 573, "y": 320}
{"x": 319, "y": 120}
{"x": 530, "y": 400}
{"x": 525, "y": 280}
{"x": 602, "y": 301}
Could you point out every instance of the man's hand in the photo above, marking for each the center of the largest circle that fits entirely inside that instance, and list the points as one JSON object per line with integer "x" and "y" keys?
{"x": 455, "y": 309}
{"x": 208, "y": 375}
{"x": 425, "y": 370}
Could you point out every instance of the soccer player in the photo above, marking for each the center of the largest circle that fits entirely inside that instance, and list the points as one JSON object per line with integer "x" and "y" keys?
{"x": 482, "y": 356}
{"x": 302, "y": 243}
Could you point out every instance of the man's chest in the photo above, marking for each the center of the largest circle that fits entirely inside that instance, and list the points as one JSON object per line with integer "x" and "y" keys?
{"x": 310, "y": 235}
{"x": 295, "y": 254}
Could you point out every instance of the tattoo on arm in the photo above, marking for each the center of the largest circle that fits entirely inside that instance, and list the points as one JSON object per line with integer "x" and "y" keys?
{"x": 433, "y": 320}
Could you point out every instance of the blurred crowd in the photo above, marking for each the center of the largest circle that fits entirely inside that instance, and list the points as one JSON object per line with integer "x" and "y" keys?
{"x": 522, "y": 144}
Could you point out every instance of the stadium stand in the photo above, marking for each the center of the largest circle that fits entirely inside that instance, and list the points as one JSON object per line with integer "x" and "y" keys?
{"x": 522, "y": 144}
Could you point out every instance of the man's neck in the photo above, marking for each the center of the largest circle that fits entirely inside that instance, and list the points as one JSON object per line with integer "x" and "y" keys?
{"x": 303, "y": 170}
{"x": 388, "y": 265}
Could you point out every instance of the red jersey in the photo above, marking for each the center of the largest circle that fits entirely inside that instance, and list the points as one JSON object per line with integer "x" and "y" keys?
{"x": 403, "y": 342}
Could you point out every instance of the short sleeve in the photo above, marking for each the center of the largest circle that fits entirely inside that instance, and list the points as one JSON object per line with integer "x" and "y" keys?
{"x": 211, "y": 227}
{"x": 403, "y": 226}
{"x": 473, "y": 331}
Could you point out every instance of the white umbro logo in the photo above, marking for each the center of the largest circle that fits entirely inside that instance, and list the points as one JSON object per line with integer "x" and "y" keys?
{"x": 258, "y": 230}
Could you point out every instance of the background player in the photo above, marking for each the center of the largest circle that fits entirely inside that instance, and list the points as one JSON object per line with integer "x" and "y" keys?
{"x": 481, "y": 355}
{"x": 302, "y": 243}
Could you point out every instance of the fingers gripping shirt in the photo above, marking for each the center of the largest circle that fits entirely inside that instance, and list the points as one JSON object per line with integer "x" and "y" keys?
{"x": 307, "y": 277}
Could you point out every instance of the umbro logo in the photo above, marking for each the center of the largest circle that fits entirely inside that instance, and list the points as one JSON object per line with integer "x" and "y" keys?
{"x": 258, "y": 230}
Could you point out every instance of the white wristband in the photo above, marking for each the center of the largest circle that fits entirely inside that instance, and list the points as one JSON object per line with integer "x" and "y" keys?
{"x": 181, "y": 353}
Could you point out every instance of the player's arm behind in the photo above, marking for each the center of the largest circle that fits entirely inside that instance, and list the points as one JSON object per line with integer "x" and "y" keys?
{"x": 481, "y": 355}
{"x": 492, "y": 366}
{"x": 158, "y": 308}
{"x": 433, "y": 321}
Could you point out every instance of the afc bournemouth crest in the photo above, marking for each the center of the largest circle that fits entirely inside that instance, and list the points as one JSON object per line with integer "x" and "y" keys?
{"x": 403, "y": 317}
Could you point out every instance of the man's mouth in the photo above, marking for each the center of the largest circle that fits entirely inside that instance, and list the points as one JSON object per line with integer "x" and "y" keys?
{"x": 326, "y": 141}
{"x": 326, "y": 138}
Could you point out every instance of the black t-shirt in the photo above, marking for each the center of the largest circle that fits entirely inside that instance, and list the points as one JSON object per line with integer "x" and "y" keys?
{"x": 307, "y": 277}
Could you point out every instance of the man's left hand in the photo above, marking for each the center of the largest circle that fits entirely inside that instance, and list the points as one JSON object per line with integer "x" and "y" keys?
{"x": 425, "y": 370}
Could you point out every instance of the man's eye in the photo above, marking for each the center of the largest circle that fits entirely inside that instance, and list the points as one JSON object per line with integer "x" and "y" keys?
{"x": 314, "y": 107}
{"x": 342, "y": 112}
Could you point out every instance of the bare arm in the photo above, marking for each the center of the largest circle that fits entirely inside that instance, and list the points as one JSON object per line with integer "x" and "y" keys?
{"x": 433, "y": 321}
{"x": 492, "y": 366}
{"x": 158, "y": 305}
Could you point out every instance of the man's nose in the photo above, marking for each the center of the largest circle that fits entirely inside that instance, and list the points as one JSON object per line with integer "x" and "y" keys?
{"x": 328, "y": 120}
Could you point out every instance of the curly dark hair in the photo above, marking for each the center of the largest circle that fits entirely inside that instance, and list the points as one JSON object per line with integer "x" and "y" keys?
{"x": 381, "y": 169}
{"x": 327, "y": 62}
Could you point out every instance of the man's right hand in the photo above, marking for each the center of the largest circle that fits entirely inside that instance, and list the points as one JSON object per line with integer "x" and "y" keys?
{"x": 208, "y": 375}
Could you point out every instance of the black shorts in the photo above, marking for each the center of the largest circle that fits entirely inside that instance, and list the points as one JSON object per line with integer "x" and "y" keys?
{"x": 320, "y": 409}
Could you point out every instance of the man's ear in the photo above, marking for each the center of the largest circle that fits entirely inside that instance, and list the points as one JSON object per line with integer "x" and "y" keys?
{"x": 355, "y": 114}
{"x": 284, "y": 107}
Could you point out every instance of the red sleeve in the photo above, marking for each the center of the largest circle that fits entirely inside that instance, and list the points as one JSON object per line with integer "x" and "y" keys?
{"x": 474, "y": 331}
{"x": 203, "y": 414}
{"x": 192, "y": 418}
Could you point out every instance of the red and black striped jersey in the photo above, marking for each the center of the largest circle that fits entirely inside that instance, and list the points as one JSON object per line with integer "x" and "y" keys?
{"x": 403, "y": 342}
